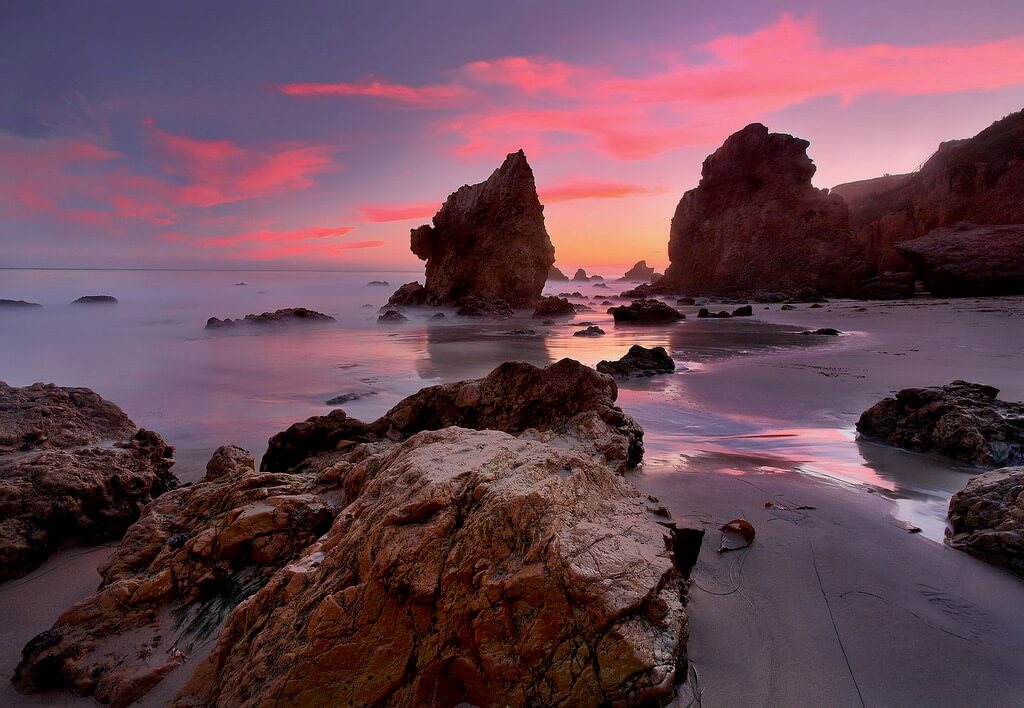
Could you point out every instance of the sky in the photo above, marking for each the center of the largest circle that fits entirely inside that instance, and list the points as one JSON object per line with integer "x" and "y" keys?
{"x": 301, "y": 134}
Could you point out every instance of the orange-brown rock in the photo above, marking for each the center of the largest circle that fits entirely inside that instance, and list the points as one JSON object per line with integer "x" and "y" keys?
{"x": 755, "y": 222}
{"x": 488, "y": 241}
{"x": 193, "y": 554}
{"x": 73, "y": 467}
{"x": 473, "y": 567}
{"x": 979, "y": 180}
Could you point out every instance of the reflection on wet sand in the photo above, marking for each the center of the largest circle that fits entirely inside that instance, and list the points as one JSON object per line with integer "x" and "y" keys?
{"x": 468, "y": 351}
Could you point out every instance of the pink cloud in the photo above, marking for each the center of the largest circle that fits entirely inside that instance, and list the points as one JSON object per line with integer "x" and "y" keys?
{"x": 544, "y": 104}
{"x": 418, "y": 96}
{"x": 314, "y": 251}
{"x": 593, "y": 189}
{"x": 401, "y": 212}
{"x": 276, "y": 237}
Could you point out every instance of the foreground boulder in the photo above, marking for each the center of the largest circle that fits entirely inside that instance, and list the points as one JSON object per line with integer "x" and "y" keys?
{"x": 639, "y": 361}
{"x": 756, "y": 222}
{"x": 73, "y": 467}
{"x": 195, "y": 553}
{"x": 969, "y": 260}
{"x": 516, "y": 398}
{"x": 290, "y": 314}
{"x": 978, "y": 180}
{"x": 387, "y": 563}
{"x": 488, "y": 241}
{"x": 986, "y": 518}
{"x": 961, "y": 420}
{"x": 647, "y": 311}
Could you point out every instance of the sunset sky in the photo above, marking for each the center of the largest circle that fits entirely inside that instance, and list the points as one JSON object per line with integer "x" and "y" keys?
{"x": 316, "y": 134}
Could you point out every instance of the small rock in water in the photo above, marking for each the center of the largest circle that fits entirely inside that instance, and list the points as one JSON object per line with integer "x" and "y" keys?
{"x": 786, "y": 308}
{"x": 238, "y": 285}
{"x": 18, "y": 303}
{"x": 438, "y": 316}
{"x": 686, "y": 301}
{"x": 392, "y": 316}
{"x": 592, "y": 331}
{"x": 347, "y": 397}
{"x": 744, "y": 311}
{"x": 378, "y": 282}
{"x": 705, "y": 314}
{"x": 96, "y": 300}
{"x": 824, "y": 331}
{"x": 639, "y": 361}
{"x": 551, "y": 306}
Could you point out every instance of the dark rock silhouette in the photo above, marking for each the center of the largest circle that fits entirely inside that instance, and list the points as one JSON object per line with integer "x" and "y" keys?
{"x": 96, "y": 300}
{"x": 969, "y": 260}
{"x": 551, "y": 306}
{"x": 639, "y": 361}
{"x": 409, "y": 295}
{"x": 640, "y": 271}
{"x": 555, "y": 274}
{"x": 392, "y": 317}
{"x": 289, "y": 314}
{"x": 18, "y": 303}
{"x": 756, "y": 222}
{"x": 488, "y": 241}
{"x": 645, "y": 312}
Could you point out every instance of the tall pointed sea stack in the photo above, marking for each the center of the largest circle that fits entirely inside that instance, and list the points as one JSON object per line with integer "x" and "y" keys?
{"x": 488, "y": 241}
{"x": 755, "y": 222}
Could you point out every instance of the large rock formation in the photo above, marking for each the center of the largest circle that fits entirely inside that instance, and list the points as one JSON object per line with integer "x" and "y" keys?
{"x": 979, "y": 180}
{"x": 73, "y": 467}
{"x": 986, "y": 518}
{"x": 755, "y": 223}
{"x": 969, "y": 260}
{"x": 489, "y": 567}
{"x": 962, "y": 420}
{"x": 640, "y": 271}
{"x": 488, "y": 241}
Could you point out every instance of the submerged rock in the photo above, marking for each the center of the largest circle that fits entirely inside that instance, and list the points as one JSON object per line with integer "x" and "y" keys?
{"x": 969, "y": 260}
{"x": 961, "y": 420}
{"x": 639, "y": 361}
{"x": 551, "y": 306}
{"x": 96, "y": 300}
{"x": 488, "y": 241}
{"x": 645, "y": 312}
{"x": 447, "y": 564}
{"x": 290, "y": 314}
{"x": 756, "y": 222}
{"x": 986, "y": 518}
{"x": 823, "y": 331}
{"x": 378, "y": 282}
{"x": 392, "y": 317}
{"x": 73, "y": 467}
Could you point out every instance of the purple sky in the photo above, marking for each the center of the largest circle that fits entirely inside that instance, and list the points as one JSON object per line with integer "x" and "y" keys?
{"x": 315, "y": 134}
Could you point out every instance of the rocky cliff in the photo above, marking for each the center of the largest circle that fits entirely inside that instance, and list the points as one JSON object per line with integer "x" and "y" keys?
{"x": 755, "y": 222}
{"x": 488, "y": 241}
{"x": 979, "y": 180}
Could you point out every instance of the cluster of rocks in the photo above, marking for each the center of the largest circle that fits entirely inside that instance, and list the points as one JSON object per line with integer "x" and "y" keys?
{"x": 73, "y": 468}
{"x": 741, "y": 311}
{"x": 551, "y": 306}
{"x": 473, "y": 545}
{"x": 284, "y": 316}
{"x": 965, "y": 421}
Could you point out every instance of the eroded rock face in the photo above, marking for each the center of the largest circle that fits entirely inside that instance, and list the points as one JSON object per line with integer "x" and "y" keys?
{"x": 193, "y": 554}
{"x": 646, "y": 311}
{"x": 969, "y": 260}
{"x": 284, "y": 316}
{"x": 460, "y": 565}
{"x": 488, "y": 241}
{"x": 986, "y": 518}
{"x": 639, "y": 361}
{"x": 72, "y": 467}
{"x": 409, "y": 295}
{"x": 516, "y": 398}
{"x": 472, "y": 567}
{"x": 962, "y": 420}
{"x": 978, "y": 180}
{"x": 756, "y": 222}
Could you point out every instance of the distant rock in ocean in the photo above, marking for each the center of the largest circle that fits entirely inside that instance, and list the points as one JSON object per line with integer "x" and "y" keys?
{"x": 641, "y": 271}
{"x": 978, "y": 180}
{"x": 755, "y": 222}
{"x": 290, "y": 314}
{"x": 18, "y": 303}
{"x": 969, "y": 260}
{"x": 488, "y": 241}
{"x": 96, "y": 300}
